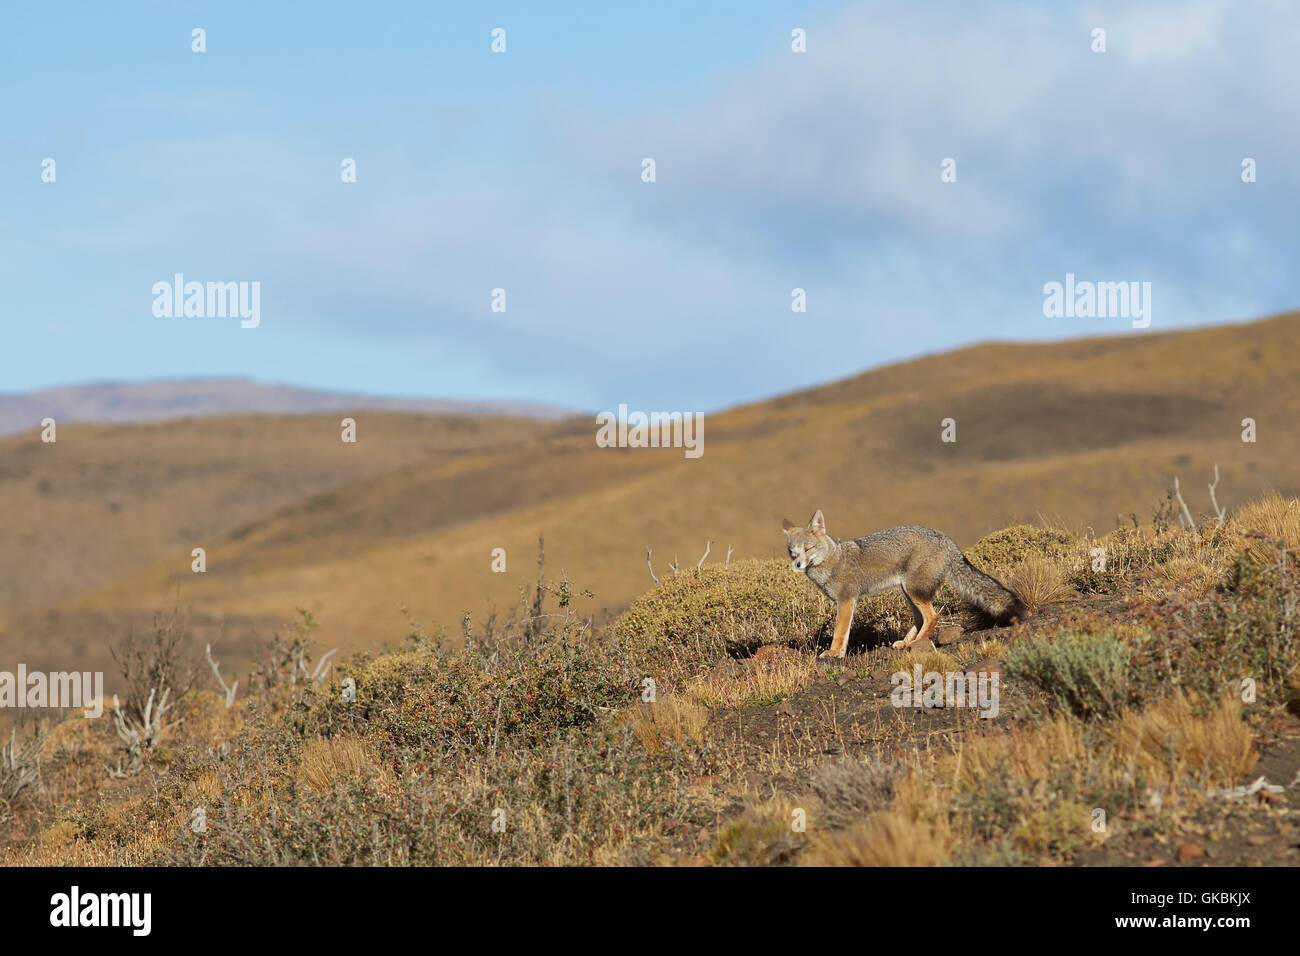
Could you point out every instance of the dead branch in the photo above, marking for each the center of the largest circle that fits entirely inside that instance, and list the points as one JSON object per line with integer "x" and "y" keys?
{"x": 216, "y": 671}
{"x": 1190, "y": 523}
{"x": 20, "y": 769}
{"x": 648, "y": 553}
{"x": 708, "y": 546}
{"x": 139, "y": 735}
{"x": 1219, "y": 512}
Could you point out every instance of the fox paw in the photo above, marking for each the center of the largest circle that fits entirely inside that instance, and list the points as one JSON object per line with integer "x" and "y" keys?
{"x": 830, "y": 655}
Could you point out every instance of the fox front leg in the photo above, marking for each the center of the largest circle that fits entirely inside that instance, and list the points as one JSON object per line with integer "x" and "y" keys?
{"x": 843, "y": 621}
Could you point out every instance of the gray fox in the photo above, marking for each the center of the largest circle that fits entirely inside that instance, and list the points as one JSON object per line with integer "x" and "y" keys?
{"x": 913, "y": 558}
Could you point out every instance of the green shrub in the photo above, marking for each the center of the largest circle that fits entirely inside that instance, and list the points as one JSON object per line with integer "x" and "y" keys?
{"x": 469, "y": 701}
{"x": 715, "y": 610}
{"x": 1089, "y": 677}
{"x": 1249, "y": 629}
{"x": 1010, "y": 546}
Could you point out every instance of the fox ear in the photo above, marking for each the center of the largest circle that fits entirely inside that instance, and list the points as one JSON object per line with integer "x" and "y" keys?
{"x": 787, "y": 525}
{"x": 817, "y": 524}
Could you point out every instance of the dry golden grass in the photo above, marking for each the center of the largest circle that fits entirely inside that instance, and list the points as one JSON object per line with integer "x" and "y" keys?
{"x": 1039, "y": 580}
{"x": 1170, "y": 742}
{"x": 1172, "y": 559}
{"x": 1272, "y": 515}
{"x": 1185, "y": 573}
{"x": 79, "y": 735}
{"x": 206, "y": 788}
{"x": 995, "y": 648}
{"x": 1267, "y": 524}
{"x": 934, "y": 814}
{"x": 338, "y": 761}
{"x": 206, "y": 716}
{"x": 669, "y": 720}
{"x": 766, "y": 833}
{"x": 737, "y": 684}
{"x": 914, "y": 831}
{"x": 939, "y": 662}
{"x": 128, "y": 839}
{"x": 1033, "y": 755}
{"x": 58, "y": 836}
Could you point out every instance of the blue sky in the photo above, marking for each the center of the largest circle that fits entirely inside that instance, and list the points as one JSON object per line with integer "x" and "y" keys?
{"x": 522, "y": 171}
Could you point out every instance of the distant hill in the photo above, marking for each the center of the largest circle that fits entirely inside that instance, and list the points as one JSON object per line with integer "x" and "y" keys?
{"x": 161, "y": 401}
{"x": 99, "y": 528}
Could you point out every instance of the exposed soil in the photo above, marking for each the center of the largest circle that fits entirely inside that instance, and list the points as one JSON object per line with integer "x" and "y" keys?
{"x": 850, "y": 714}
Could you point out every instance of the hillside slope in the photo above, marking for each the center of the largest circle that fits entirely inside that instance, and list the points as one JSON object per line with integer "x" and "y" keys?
{"x": 1081, "y": 432}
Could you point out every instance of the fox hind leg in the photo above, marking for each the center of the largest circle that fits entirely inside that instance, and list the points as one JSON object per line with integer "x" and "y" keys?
{"x": 917, "y": 619}
{"x": 925, "y": 617}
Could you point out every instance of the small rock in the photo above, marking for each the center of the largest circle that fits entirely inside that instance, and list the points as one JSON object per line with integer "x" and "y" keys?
{"x": 703, "y": 836}
{"x": 948, "y": 632}
{"x": 1190, "y": 851}
{"x": 771, "y": 652}
{"x": 989, "y": 665}
{"x": 785, "y": 708}
{"x": 1258, "y": 839}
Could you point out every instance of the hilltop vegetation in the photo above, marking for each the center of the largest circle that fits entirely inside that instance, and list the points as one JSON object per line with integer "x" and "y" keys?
{"x": 699, "y": 728}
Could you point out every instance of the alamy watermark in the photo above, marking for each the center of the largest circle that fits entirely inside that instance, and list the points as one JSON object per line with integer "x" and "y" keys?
{"x": 1098, "y": 300}
{"x": 652, "y": 430}
{"x": 132, "y": 911}
{"x": 208, "y": 300}
{"x": 55, "y": 689}
{"x": 951, "y": 689}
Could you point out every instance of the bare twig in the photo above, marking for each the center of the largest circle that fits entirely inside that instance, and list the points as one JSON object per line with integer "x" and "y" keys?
{"x": 216, "y": 671}
{"x": 1219, "y": 512}
{"x": 20, "y": 769}
{"x": 323, "y": 669}
{"x": 708, "y": 546}
{"x": 648, "y": 553}
{"x": 1190, "y": 523}
{"x": 728, "y": 561}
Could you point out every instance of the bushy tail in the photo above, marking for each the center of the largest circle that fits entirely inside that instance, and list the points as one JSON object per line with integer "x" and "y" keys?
{"x": 986, "y": 593}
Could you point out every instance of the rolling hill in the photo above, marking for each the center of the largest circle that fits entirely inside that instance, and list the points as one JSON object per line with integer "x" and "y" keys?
{"x": 191, "y": 398}
{"x": 99, "y": 528}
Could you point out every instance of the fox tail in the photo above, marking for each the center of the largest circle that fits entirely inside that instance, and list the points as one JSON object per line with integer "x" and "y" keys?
{"x": 986, "y": 593}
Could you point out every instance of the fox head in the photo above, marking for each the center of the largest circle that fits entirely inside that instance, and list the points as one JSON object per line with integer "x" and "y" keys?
{"x": 808, "y": 546}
